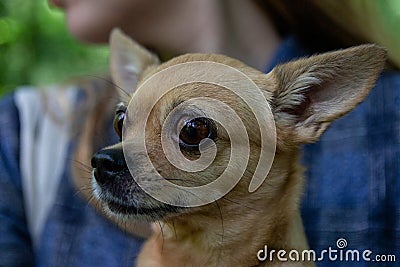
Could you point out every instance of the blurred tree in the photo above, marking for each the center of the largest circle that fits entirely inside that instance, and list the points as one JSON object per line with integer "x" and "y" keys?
{"x": 36, "y": 48}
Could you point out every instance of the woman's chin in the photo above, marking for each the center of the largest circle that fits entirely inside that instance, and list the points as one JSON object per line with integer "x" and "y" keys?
{"x": 57, "y": 3}
{"x": 87, "y": 27}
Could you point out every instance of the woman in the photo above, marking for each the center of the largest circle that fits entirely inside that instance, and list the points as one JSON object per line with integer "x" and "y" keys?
{"x": 45, "y": 221}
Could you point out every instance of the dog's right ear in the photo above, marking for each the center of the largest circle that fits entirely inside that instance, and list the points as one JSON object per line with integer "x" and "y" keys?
{"x": 312, "y": 92}
{"x": 127, "y": 60}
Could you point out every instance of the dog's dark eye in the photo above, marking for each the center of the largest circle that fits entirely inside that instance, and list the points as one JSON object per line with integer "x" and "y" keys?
{"x": 196, "y": 130}
{"x": 119, "y": 120}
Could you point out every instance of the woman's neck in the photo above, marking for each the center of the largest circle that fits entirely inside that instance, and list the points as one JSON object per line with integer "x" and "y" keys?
{"x": 239, "y": 29}
{"x": 248, "y": 34}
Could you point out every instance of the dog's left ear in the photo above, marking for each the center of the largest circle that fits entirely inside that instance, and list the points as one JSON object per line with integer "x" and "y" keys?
{"x": 127, "y": 60}
{"x": 310, "y": 93}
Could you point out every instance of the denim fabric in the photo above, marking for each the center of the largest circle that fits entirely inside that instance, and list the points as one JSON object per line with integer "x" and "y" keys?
{"x": 74, "y": 234}
{"x": 15, "y": 243}
{"x": 353, "y": 188}
{"x": 353, "y": 173}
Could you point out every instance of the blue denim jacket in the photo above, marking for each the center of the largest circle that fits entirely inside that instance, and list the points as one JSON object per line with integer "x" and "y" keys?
{"x": 73, "y": 235}
{"x": 353, "y": 173}
{"x": 352, "y": 191}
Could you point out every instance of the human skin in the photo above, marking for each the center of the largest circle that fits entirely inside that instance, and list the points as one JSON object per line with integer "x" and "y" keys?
{"x": 237, "y": 28}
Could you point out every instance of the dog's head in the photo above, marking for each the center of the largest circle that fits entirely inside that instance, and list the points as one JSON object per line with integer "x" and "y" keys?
{"x": 305, "y": 96}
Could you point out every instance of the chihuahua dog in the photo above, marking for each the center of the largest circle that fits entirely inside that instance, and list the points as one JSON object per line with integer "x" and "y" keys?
{"x": 305, "y": 96}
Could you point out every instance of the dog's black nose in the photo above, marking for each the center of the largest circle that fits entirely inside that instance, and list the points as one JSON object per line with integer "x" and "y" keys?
{"x": 107, "y": 163}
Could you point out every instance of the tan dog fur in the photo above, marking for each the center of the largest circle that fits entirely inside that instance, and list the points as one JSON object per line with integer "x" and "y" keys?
{"x": 305, "y": 96}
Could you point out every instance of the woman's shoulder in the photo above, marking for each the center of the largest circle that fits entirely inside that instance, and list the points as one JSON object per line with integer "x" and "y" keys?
{"x": 8, "y": 112}
{"x": 387, "y": 94}
{"x": 68, "y": 103}
{"x": 9, "y": 136}
{"x": 390, "y": 77}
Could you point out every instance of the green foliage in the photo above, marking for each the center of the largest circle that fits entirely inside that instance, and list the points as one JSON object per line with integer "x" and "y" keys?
{"x": 36, "y": 48}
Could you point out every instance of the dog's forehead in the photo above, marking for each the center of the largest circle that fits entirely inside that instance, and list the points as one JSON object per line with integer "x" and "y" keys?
{"x": 189, "y": 91}
{"x": 252, "y": 73}
{"x": 265, "y": 82}
{"x": 185, "y": 99}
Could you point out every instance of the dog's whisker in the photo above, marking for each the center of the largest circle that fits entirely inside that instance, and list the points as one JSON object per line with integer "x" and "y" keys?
{"x": 237, "y": 203}
{"x": 186, "y": 182}
{"x": 111, "y": 83}
{"x": 92, "y": 201}
{"x": 222, "y": 230}
{"x": 83, "y": 189}
{"x": 186, "y": 191}
{"x": 137, "y": 207}
{"x": 81, "y": 164}
{"x": 174, "y": 228}
{"x": 114, "y": 98}
{"x": 162, "y": 235}
{"x": 85, "y": 171}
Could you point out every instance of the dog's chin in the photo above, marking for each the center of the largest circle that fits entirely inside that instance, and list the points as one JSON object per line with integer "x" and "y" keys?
{"x": 149, "y": 210}
{"x": 116, "y": 207}
{"x": 141, "y": 213}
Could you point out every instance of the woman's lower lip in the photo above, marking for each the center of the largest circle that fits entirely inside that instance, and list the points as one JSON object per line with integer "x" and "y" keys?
{"x": 57, "y": 3}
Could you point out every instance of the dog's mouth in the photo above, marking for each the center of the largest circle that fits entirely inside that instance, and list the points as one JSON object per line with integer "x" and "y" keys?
{"x": 123, "y": 209}
{"x": 114, "y": 199}
{"x": 151, "y": 213}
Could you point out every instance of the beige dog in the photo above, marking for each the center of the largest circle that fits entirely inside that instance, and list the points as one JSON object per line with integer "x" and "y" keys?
{"x": 305, "y": 97}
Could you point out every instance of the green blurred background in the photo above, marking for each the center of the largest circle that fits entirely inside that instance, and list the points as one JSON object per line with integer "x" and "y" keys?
{"x": 36, "y": 48}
